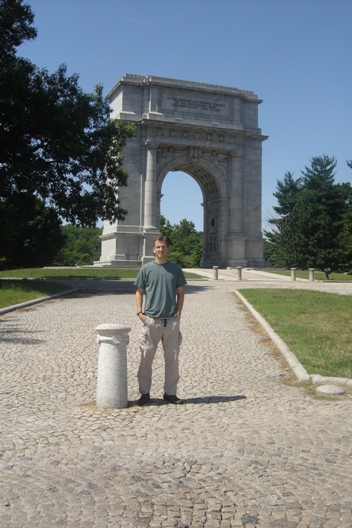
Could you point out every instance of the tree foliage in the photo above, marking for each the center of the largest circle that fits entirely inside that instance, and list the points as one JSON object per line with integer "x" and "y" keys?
{"x": 186, "y": 244}
{"x": 314, "y": 226}
{"x": 16, "y": 22}
{"x": 82, "y": 246}
{"x": 287, "y": 194}
{"x": 30, "y": 232}
{"x": 58, "y": 142}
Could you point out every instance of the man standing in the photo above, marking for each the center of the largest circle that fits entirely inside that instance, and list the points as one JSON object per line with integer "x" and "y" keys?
{"x": 162, "y": 283}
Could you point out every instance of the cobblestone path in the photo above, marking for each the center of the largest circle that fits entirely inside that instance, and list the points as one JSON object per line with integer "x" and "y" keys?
{"x": 246, "y": 449}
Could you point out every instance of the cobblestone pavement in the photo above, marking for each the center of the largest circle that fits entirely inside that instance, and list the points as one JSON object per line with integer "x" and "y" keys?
{"x": 246, "y": 449}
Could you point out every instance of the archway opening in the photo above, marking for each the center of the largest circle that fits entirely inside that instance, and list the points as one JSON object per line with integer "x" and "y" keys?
{"x": 182, "y": 199}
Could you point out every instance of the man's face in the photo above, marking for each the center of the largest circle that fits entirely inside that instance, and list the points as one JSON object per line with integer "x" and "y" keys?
{"x": 160, "y": 250}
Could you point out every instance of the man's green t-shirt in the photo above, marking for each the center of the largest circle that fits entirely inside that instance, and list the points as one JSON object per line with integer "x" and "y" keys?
{"x": 160, "y": 282}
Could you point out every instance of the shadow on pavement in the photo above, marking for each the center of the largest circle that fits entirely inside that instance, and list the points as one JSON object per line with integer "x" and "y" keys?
{"x": 90, "y": 288}
{"x": 214, "y": 399}
{"x": 202, "y": 400}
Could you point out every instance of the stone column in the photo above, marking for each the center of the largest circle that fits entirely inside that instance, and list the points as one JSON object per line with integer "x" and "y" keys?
{"x": 112, "y": 366}
{"x": 235, "y": 220}
{"x": 150, "y": 188}
{"x": 239, "y": 273}
{"x": 215, "y": 272}
{"x": 311, "y": 274}
{"x": 293, "y": 274}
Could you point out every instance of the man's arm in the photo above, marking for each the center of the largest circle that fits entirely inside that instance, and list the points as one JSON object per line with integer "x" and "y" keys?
{"x": 180, "y": 295}
{"x": 139, "y": 302}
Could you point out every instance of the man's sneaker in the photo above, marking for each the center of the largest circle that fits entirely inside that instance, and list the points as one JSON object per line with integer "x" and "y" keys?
{"x": 144, "y": 399}
{"x": 172, "y": 398}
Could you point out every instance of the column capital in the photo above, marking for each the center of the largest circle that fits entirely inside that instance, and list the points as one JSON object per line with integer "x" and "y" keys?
{"x": 113, "y": 333}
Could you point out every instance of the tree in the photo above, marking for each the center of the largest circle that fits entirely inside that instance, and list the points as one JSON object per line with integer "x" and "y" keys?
{"x": 311, "y": 231}
{"x": 320, "y": 176}
{"x": 186, "y": 244}
{"x": 30, "y": 232}
{"x": 15, "y": 27}
{"x": 345, "y": 234}
{"x": 82, "y": 246}
{"x": 58, "y": 143}
{"x": 287, "y": 194}
{"x": 306, "y": 239}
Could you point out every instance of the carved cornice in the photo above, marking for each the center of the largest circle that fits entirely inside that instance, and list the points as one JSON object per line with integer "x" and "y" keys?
{"x": 148, "y": 80}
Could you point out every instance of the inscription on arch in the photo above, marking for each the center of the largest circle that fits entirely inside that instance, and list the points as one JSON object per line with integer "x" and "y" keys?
{"x": 194, "y": 105}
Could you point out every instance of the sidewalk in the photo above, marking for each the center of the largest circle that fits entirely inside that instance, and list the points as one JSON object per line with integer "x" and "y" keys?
{"x": 264, "y": 279}
{"x": 246, "y": 449}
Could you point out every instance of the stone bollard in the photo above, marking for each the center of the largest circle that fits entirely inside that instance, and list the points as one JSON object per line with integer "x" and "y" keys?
{"x": 215, "y": 272}
{"x": 239, "y": 272}
{"x": 311, "y": 274}
{"x": 112, "y": 366}
{"x": 293, "y": 274}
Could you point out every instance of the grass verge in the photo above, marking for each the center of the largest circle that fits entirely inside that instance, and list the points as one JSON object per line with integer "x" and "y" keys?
{"x": 316, "y": 326}
{"x": 70, "y": 273}
{"x": 18, "y": 291}
{"x": 32, "y": 286}
{"x": 77, "y": 273}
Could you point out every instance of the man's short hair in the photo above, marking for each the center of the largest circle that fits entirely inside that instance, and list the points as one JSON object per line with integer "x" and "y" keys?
{"x": 161, "y": 238}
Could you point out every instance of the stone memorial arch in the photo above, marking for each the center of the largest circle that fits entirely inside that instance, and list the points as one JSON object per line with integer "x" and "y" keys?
{"x": 207, "y": 131}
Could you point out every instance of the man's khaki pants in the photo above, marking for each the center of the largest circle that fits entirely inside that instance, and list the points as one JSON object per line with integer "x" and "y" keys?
{"x": 168, "y": 332}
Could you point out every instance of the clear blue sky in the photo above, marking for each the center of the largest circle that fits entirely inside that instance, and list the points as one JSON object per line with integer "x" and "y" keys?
{"x": 294, "y": 54}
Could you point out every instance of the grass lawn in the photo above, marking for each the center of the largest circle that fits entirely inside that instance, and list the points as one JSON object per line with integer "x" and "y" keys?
{"x": 77, "y": 273}
{"x": 19, "y": 291}
{"x": 70, "y": 273}
{"x": 34, "y": 283}
{"x": 316, "y": 326}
